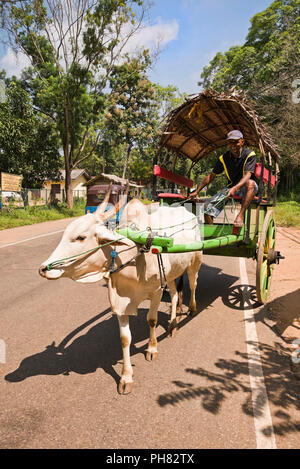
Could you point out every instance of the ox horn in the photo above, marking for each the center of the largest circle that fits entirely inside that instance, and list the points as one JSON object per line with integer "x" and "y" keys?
{"x": 103, "y": 205}
{"x": 114, "y": 210}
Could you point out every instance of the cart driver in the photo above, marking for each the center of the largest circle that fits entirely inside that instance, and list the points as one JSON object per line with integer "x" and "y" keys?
{"x": 239, "y": 166}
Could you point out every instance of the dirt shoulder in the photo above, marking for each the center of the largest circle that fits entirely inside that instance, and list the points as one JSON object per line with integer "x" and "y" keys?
{"x": 282, "y": 311}
{"x": 284, "y": 300}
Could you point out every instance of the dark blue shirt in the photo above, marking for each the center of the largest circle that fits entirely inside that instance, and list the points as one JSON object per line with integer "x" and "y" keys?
{"x": 236, "y": 168}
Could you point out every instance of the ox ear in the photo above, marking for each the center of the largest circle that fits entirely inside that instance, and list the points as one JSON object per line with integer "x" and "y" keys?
{"x": 104, "y": 235}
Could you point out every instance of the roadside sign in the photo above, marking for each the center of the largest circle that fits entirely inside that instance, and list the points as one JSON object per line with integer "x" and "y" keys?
{"x": 11, "y": 182}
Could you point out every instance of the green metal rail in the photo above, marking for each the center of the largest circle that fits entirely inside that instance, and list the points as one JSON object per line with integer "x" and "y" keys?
{"x": 166, "y": 245}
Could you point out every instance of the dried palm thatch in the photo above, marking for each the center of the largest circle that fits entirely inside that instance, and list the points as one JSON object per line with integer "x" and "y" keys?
{"x": 112, "y": 178}
{"x": 200, "y": 125}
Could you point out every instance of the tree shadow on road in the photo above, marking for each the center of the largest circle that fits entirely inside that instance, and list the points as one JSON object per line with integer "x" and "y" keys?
{"x": 282, "y": 316}
{"x": 213, "y": 388}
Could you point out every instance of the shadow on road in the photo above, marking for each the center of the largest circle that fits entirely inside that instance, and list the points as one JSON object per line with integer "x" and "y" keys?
{"x": 212, "y": 388}
{"x": 241, "y": 297}
{"x": 99, "y": 346}
{"x": 83, "y": 355}
{"x": 282, "y": 315}
{"x": 216, "y": 283}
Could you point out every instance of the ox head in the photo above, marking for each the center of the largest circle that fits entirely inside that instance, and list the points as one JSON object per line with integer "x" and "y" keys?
{"x": 78, "y": 255}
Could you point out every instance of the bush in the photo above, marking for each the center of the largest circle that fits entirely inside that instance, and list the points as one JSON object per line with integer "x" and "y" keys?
{"x": 288, "y": 213}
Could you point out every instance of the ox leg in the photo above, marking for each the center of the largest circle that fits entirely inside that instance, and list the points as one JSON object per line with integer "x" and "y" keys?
{"x": 126, "y": 382}
{"x": 173, "y": 326}
{"x": 151, "y": 352}
{"x": 192, "y": 272}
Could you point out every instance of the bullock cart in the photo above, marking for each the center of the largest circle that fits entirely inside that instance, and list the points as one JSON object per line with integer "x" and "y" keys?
{"x": 195, "y": 130}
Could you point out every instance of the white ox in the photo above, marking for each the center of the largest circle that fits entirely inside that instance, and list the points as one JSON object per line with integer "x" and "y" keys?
{"x": 138, "y": 281}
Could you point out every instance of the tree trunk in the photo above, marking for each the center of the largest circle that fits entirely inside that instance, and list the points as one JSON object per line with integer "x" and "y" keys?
{"x": 69, "y": 192}
{"x": 127, "y": 163}
{"x": 68, "y": 179}
{"x": 68, "y": 163}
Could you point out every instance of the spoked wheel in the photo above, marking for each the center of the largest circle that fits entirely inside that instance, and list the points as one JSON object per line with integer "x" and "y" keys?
{"x": 266, "y": 256}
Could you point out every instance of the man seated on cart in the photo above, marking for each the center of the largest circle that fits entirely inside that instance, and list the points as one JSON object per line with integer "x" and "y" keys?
{"x": 239, "y": 166}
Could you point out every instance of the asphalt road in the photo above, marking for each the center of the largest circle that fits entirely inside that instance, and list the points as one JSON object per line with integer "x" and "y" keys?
{"x": 223, "y": 382}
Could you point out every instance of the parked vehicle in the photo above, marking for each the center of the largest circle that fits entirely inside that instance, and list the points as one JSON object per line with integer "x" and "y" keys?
{"x": 96, "y": 193}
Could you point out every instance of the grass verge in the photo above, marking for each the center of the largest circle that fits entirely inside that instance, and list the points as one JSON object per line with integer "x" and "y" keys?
{"x": 288, "y": 213}
{"x": 13, "y": 217}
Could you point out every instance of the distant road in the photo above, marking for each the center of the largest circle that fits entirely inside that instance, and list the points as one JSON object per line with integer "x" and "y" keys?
{"x": 20, "y": 234}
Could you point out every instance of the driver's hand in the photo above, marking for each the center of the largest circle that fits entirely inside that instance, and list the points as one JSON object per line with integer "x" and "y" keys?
{"x": 193, "y": 195}
{"x": 231, "y": 192}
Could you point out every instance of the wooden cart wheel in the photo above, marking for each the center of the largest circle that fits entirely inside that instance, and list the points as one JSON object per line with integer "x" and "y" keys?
{"x": 264, "y": 269}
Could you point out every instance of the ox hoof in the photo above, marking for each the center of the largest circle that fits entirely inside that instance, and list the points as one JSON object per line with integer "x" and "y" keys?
{"x": 173, "y": 329}
{"x": 151, "y": 356}
{"x": 192, "y": 312}
{"x": 125, "y": 388}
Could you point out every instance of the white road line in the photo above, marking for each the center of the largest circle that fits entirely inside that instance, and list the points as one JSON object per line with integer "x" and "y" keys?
{"x": 265, "y": 438}
{"x": 29, "y": 239}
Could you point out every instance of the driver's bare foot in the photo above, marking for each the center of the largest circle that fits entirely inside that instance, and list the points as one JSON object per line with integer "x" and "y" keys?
{"x": 238, "y": 222}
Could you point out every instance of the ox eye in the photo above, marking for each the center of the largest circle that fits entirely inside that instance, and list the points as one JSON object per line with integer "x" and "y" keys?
{"x": 80, "y": 238}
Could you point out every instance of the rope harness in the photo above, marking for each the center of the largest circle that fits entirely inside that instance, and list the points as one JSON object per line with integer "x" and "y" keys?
{"x": 142, "y": 250}
{"x": 61, "y": 262}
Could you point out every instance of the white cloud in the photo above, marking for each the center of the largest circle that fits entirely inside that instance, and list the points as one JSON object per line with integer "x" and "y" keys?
{"x": 14, "y": 63}
{"x": 151, "y": 36}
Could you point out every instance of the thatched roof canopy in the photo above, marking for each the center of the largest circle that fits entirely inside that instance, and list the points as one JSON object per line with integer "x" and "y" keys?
{"x": 200, "y": 125}
{"x": 111, "y": 178}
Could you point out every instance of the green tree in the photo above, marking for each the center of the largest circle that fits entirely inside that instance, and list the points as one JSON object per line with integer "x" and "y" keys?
{"x": 134, "y": 120}
{"x": 73, "y": 48}
{"x": 28, "y": 141}
{"x": 270, "y": 55}
{"x": 265, "y": 66}
{"x": 167, "y": 98}
{"x": 132, "y": 113}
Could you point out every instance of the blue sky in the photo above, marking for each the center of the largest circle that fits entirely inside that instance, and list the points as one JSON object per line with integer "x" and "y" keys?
{"x": 205, "y": 27}
{"x": 192, "y": 32}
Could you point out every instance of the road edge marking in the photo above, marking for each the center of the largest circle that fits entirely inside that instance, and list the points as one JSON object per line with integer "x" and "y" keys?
{"x": 29, "y": 239}
{"x": 261, "y": 408}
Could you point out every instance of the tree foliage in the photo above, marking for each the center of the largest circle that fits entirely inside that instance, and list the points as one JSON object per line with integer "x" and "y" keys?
{"x": 132, "y": 110}
{"x": 265, "y": 66}
{"x": 133, "y": 121}
{"x": 28, "y": 142}
{"x": 73, "y": 48}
